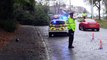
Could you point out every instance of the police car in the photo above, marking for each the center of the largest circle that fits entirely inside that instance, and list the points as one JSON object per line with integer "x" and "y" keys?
{"x": 57, "y": 26}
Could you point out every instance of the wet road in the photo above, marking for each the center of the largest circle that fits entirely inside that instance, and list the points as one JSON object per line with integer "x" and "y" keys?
{"x": 85, "y": 47}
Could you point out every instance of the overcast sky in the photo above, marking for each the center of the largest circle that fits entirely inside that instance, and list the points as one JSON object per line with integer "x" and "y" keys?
{"x": 83, "y": 4}
{"x": 76, "y": 3}
{"x": 79, "y": 3}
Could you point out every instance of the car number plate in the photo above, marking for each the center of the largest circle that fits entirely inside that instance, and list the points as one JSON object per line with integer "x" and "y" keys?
{"x": 92, "y": 25}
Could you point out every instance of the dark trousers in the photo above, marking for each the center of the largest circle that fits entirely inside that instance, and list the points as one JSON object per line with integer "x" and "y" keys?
{"x": 84, "y": 17}
{"x": 71, "y": 37}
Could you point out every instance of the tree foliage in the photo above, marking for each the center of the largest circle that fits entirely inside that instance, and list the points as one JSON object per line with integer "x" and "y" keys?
{"x": 6, "y": 9}
{"x": 30, "y": 12}
{"x": 24, "y": 11}
{"x": 7, "y": 20}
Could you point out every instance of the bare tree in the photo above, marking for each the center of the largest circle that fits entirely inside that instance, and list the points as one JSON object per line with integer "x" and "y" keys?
{"x": 97, "y": 4}
{"x": 105, "y": 3}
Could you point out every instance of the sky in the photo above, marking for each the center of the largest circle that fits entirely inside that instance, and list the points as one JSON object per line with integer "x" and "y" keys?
{"x": 83, "y": 4}
{"x": 79, "y": 3}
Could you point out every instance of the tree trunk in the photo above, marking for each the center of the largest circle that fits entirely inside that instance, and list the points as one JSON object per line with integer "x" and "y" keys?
{"x": 99, "y": 10}
{"x": 105, "y": 2}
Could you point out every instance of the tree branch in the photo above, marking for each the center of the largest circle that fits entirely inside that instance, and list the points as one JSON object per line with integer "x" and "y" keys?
{"x": 96, "y": 5}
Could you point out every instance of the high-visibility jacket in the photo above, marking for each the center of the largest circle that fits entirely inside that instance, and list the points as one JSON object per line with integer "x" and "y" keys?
{"x": 71, "y": 24}
{"x": 84, "y": 14}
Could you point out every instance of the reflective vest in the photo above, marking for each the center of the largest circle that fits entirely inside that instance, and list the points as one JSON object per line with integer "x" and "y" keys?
{"x": 84, "y": 14}
{"x": 71, "y": 24}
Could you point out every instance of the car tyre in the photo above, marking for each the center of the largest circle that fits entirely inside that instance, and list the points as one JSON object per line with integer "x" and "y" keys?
{"x": 82, "y": 28}
{"x": 66, "y": 34}
{"x": 94, "y": 29}
{"x": 98, "y": 29}
{"x": 79, "y": 28}
{"x": 50, "y": 34}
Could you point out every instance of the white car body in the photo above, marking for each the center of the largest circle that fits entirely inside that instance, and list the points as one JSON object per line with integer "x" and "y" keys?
{"x": 58, "y": 28}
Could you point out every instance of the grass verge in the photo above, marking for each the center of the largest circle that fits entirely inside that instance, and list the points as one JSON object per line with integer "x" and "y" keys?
{"x": 103, "y": 23}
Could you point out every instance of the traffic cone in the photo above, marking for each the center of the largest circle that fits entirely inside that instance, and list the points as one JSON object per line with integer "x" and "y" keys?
{"x": 101, "y": 45}
{"x": 93, "y": 36}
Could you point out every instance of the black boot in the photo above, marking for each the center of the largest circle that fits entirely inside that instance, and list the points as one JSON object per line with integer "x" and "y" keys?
{"x": 70, "y": 46}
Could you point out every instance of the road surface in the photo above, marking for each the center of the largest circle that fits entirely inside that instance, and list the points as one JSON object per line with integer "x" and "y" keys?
{"x": 85, "y": 47}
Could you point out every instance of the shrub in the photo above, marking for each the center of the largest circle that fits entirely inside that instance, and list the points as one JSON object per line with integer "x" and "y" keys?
{"x": 29, "y": 13}
{"x": 41, "y": 22}
{"x": 25, "y": 18}
{"x": 8, "y": 25}
{"x": 103, "y": 23}
{"x": 41, "y": 16}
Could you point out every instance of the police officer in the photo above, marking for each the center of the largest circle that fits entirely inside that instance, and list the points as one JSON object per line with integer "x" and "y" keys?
{"x": 84, "y": 15}
{"x": 71, "y": 27}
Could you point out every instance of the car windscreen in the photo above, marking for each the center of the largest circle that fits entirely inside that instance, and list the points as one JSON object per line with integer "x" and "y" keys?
{"x": 55, "y": 18}
{"x": 57, "y": 22}
{"x": 64, "y": 18}
{"x": 90, "y": 20}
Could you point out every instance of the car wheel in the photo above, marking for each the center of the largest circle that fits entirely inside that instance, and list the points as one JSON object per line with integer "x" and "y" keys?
{"x": 98, "y": 29}
{"x": 82, "y": 28}
{"x": 79, "y": 28}
{"x": 95, "y": 29}
{"x": 50, "y": 34}
{"x": 66, "y": 34}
